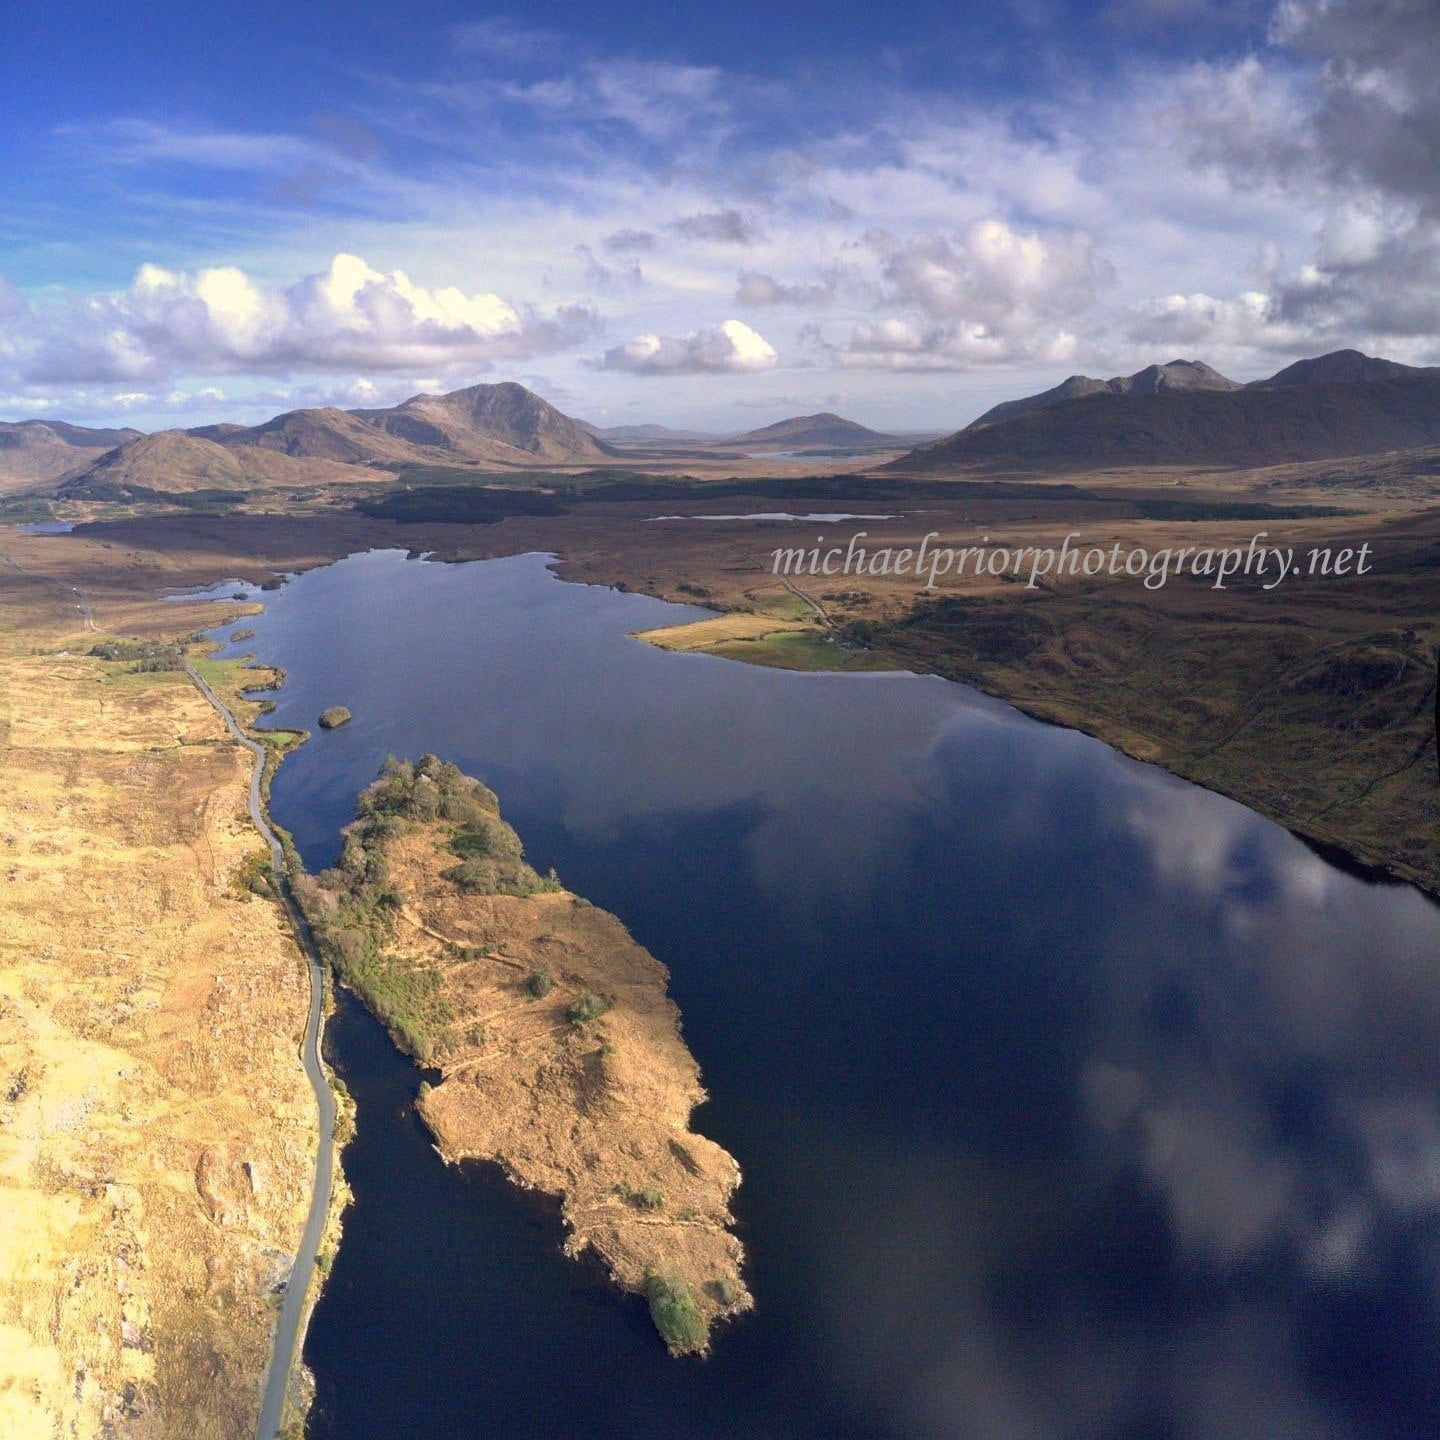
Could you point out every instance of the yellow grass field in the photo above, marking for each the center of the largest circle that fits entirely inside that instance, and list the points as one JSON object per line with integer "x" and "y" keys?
{"x": 156, "y": 1130}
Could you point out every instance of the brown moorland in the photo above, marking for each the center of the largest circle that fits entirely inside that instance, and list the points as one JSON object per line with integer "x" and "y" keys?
{"x": 157, "y": 1133}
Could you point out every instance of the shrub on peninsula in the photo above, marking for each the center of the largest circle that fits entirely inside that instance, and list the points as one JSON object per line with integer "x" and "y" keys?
{"x": 676, "y": 1315}
{"x": 585, "y": 1008}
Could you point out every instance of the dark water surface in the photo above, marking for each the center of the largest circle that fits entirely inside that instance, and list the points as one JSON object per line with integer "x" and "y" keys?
{"x": 1072, "y": 1101}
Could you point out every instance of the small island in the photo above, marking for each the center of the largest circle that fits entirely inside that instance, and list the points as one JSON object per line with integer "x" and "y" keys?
{"x": 334, "y": 717}
{"x": 557, "y": 1051}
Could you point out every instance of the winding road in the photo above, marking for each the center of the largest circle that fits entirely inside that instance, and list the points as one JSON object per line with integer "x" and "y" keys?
{"x": 292, "y": 1308}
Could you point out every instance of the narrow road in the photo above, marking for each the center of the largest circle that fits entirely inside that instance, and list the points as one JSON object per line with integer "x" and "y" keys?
{"x": 84, "y": 607}
{"x": 292, "y": 1308}
{"x": 795, "y": 590}
{"x": 810, "y": 600}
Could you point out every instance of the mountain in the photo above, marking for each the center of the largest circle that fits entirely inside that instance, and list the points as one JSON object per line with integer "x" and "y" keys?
{"x": 506, "y": 423}
{"x": 39, "y": 452}
{"x": 823, "y": 431}
{"x": 649, "y": 435}
{"x": 1153, "y": 380}
{"x": 1344, "y": 367}
{"x": 77, "y": 436}
{"x": 485, "y": 427}
{"x": 325, "y": 434}
{"x": 176, "y": 462}
{"x": 1303, "y": 413}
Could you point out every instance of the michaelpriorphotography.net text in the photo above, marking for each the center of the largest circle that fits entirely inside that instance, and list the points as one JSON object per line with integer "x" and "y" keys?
{"x": 933, "y": 559}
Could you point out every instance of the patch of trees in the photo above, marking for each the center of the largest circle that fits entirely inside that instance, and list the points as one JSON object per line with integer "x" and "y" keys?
{"x": 676, "y": 1315}
{"x": 458, "y": 505}
{"x": 352, "y": 906}
{"x": 145, "y": 656}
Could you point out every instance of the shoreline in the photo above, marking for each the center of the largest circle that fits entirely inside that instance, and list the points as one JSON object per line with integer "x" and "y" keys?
{"x": 704, "y": 1286}
{"x": 1347, "y": 855}
{"x": 298, "y": 1303}
{"x": 1366, "y": 863}
{"x": 543, "y": 1033}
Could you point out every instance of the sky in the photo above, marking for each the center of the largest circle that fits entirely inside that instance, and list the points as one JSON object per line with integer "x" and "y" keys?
{"x": 710, "y": 217}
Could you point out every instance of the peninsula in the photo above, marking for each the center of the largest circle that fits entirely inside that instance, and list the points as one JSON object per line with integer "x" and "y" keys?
{"x": 558, "y": 1052}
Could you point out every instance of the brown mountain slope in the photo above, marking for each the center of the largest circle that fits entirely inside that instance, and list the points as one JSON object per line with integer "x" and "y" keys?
{"x": 173, "y": 462}
{"x": 1255, "y": 426}
{"x": 323, "y": 434}
{"x": 505, "y": 422}
{"x": 36, "y": 452}
{"x": 484, "y": 426}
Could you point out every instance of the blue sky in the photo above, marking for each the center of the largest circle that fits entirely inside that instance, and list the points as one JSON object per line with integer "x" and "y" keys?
{"x": 718, "y": 218}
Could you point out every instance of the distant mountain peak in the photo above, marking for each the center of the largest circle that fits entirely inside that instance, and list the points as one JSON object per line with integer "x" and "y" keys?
{"x": 825, "y": 430}
{"x": 1174, "y": 375}
{"x": 1340, "y": 367}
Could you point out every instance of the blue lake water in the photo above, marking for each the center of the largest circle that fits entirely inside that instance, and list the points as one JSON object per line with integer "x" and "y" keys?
{"x": 1072, "y": 1100}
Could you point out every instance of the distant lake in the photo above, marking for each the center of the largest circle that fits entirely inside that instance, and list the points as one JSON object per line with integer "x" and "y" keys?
{"x": 1073, "y": 1102}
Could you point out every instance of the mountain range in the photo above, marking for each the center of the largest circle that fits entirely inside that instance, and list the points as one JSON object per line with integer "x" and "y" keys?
{"x": 1181, "y": 413}
{"x": 1185, "y": 413}
{"x": 484, "y": 427}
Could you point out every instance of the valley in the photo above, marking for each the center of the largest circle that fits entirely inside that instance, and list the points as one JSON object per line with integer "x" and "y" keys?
{"x": 1312, "y": 704}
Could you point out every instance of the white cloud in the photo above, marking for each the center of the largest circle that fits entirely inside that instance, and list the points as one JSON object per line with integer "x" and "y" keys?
{"x": 220, "y": 320}
{"x": 994, "y": 294}
{"x": 994, "y": 274}
{"x": 1201, "y": 321}
{"x": 904, "y": 344}
{"x": 923, "y": 235}
{"x": 1342, "y": 120}
{"x": 731, "y": 347}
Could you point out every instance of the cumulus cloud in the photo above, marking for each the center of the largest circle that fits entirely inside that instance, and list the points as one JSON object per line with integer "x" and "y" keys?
{"x": 1364, "y": 288}
{"x": 219, "y": 320}
{"x": 1351, "y": 132}
{"x": 993, "y": 294}
{"x": 1376, "y": 120}
{"x": 902, "y": 344}
{"x": 728, "y": 348}
{"x": 994, "y": 274}
{"x": 999, "y": 234}
{"x": 1207, "y": 321}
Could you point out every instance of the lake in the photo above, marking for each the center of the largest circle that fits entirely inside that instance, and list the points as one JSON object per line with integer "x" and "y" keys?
{"x": 1072, "y": 1100}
